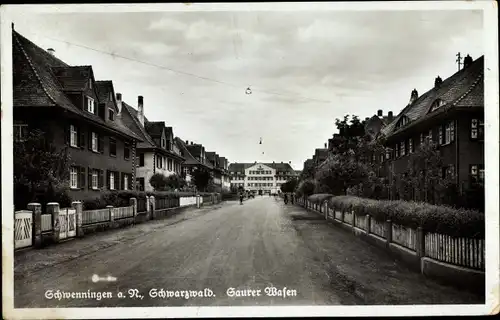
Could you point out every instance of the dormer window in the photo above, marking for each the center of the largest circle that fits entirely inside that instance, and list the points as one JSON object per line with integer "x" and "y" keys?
{"x": 90, "y": 105}
{"x": 163, "y": 143}
{"x": 111, "y": 116}
{"x": 403, "y": 122}
{"x": 437, "y": 104}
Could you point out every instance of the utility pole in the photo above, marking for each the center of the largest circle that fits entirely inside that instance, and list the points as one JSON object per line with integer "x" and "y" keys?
{"x": 459, "y": 60}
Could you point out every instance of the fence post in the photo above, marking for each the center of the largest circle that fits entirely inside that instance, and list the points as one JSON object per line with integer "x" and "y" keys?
{"x": 326, "y": 210}
{"x": 53, "y": 209}
{"x": 420, "y": 245}
{"x": 198, "y": 202}
{"x": 353, "y": 218}
{"x": 148, "y": 208}
{"x": 78, "y": 206}
{"x": 152, "y": 204}
{"x": 133, "y": 203}
{"x": 342, "y": 213}
{"x": 368, "y": 222}
{"x": 36, "y": 209}
{"x": 111, "y": 213}
{"x": 388, "y": 232}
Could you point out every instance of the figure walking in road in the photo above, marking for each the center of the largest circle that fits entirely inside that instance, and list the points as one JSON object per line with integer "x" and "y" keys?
{"x": 285, "y": 198}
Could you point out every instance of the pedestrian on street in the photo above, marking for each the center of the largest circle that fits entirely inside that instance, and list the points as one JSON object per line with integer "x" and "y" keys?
{"x": 285, "y": 198}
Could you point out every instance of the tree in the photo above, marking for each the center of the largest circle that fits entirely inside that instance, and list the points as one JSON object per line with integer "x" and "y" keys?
{"x": 158, "y": 181}
{"x": 306, "y": 188}
{"x": 339, "y": 173}
{"x": 289, "y": 186}
{"x": 175, "y": 181}
{"x": 41, "y": 171}
{"x": 201, "y": 178}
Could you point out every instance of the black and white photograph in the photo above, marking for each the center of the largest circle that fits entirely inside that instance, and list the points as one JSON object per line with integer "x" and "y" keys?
{"x": 301, "y": 159}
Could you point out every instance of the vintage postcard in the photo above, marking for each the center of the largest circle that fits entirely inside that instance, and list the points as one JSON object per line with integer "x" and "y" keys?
{"x": 250, "y": 159}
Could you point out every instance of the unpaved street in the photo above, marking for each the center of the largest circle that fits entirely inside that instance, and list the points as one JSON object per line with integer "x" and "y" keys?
{"x": 260, "y": 244}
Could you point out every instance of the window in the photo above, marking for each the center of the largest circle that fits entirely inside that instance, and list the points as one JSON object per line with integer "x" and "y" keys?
{"x": 388, "y": 153}
{"x": 90, "y": 105}
{"x": 73, "y": 136}
{"x": 477, "y": 173}
{"x": 125, "y": 182}
{"x": 141, "y": 159}
{"x": 20, "y": 132}
{"x": 158, "y": 162}
{"x": 437, "y": 104}
{"x": 410, "y": 146}
{"x": 112, "y": 147}
{"x": 382, "y": 158}
{"x": 73, "y": 177}
{"x": 440, "y": 138}
{"x": 126, "y": 151}
{"x": 477, "y": 129}
{"x": 95, "y": 142}
{"x": 111, "y": 181}
{"x": 449, "y": 132}
{"x": 95, "y": 179}
{"x": 398, "y": 151}
{"x": 111, "y": 115}
{"x": 429, "y": 136}
{"x": 422, "y": 138}
{"x": 170, "y": 168}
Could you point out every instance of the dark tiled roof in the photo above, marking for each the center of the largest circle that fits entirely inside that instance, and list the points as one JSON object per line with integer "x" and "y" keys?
{"x": 321, "y": 153}
{"x": 450, "y": 90}
{"x": 190, "y": 159}
{"x": 73, "y": 78}
{"x": 104, "y": 88}
{"x": 240, "y": 167}
{"x": 35, "y": 84}
{"x": 154, "y": 128}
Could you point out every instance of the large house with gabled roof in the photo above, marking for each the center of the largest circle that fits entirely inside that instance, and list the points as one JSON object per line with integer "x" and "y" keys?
{"x": 77, "y": 114}
{"x": 262, "y": 178}
{"x": 158, "y": 153}
{"x": 451, "y": 114}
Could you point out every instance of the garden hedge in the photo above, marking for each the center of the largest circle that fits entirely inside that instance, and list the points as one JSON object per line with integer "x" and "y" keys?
{"x": 431, "y": 218}
{"x": 122, "y": 198}
{"x": 319, "y": 198}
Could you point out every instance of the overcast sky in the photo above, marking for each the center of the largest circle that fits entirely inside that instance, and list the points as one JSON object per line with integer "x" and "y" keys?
{"x": 319, "y": 65}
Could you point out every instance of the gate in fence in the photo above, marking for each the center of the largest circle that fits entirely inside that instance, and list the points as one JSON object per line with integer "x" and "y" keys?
{"x": 23, "y": 229}
{"x": 67, "y": 220}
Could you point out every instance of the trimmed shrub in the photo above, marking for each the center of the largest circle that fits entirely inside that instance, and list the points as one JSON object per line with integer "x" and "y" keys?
{"x": 319, "y": 198}
{"x": 437, "y": 219}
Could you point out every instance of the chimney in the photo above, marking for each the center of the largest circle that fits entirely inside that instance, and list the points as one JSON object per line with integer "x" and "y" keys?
{"x": 367, "y": 118}
{"x": 390, "y": 116}
{"x": 413, "y": 96}
{"x": 467, "y": 61}
{"x": 140, "y": 109}
{"x": 379, "y": 113}
{"x": 325, "y": 145}
{"x": 437, "y": 82}
{"x": 51, "y": 51}
{"x": 187, "y": 142}
{"x": 191, "y": 142}
{"x": 119, "y": 102}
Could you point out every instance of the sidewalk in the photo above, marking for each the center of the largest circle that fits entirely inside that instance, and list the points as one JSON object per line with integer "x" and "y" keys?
{"x": 32, "y": 260}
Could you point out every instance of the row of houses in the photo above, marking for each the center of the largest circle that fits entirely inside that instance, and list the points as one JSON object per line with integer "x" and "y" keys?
{"x": 451, "y": 114}
{"x": 111, "y": 143}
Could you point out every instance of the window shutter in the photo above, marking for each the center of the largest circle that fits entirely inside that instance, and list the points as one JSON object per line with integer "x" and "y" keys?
{"x": 122, "y": 181}
{"x": 82, "y": 138}
{"x": 452, "y": 130}
{"x": 67, "y": 133}
{"x": 130, "y": 185}
{"x": 101, "y": 178}
{"x": 108, "y": 180}
{"x": 90, "y": 140}
{"x": 81, "y": 184}
{"x": 117, "y": 180}
{"x": 89, "y": 175}
{"x": 441, "y": 140}
{"x": 100, "y": 143}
